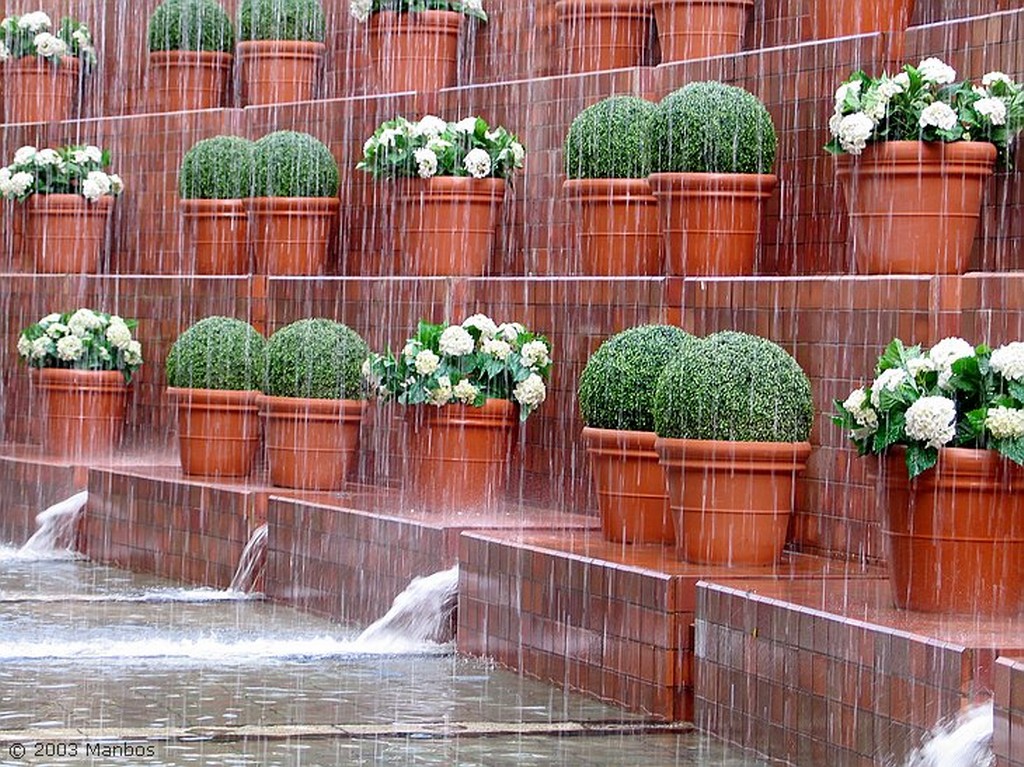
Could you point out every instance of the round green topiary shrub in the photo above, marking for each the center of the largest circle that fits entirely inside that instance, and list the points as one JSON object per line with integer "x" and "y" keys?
{"x": 734, "y": 387}
{"x": 191, "y": 25}
{"x": 217, "y": 353}
{"x": 292, "y": 164}
{"x": 281, "y": 20}
{"x": 218, "y": 168}
{"x": 710, "y": 127}
{"x": 611, "y": 139}
{"x": 616, "y": 389}
{"x": 315, "y": 359}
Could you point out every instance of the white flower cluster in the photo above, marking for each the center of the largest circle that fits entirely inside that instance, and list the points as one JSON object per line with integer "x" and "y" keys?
{"x": 936, "y": 71}
{"x": 888, "y": 380}
{"x": 859, "y": 406}
{"x": 31, "y": 34}
{"x": 932, "y": 420}
{"x": 1008, "y": 361}
{"x": 84, "y": 339}
{"x": 1005, "y": 422}
{"x": 944, "y": 354}
{"x": 66, "y": 170}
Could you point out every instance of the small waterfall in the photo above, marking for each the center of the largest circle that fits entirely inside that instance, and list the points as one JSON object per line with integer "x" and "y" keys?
{"x": 421, "y": 613}
{"x": 56, "y": 528}
{"x": 965, "y": 743}
{"x": 252, "y": 561}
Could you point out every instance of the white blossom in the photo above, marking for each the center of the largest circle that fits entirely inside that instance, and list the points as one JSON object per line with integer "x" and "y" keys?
{"x": 917, "y": 365}
{"x": 903, "y": 79}
{"x": 24, "y": 346}
{"x": 994, "y": 77}
{"x": 410, "y": 350}
{"x": 19, "y": 183}
{"x": 473, "y": 5}
{"x": 41, "y": 347}
{"x": 858, "y": 406}
{"x": 437, "y": 145}
{"x": 853, "y": 132}
{"x": 845, "y": 90}
{"x": 360, "y": 9}
{"x": 993, "y": 108}
{"x": 57, "y": 330}
{"x": 483, "y": 323}
{"x": 431, "y": 126}
{"x": 497, "y": 348}
{"x": 426, "y": 362}
{"x": 25, "y": 155}
{"x": 103, "y": 354}
{"x": 1008, "y": 361}
{"x": 932, "y": 420}
{"x": 82, "y": 37}
{"x": 510, "y": 331}
{"x": 465, "y": 392}
{"x": 133, "y": 353}
{"x": 935, "y": 70}
{"x": 116, "y": 184}
{"x": 938, "y": 114}
{"x": 535, "y": 354}
{"x": 455, "y": 341}
{"x": 69, "y": 348}
{"x": 388, "y": 137}
{"x": 82, "y": 321}
{"x": 531, "y": 391}
{"x": 5, "y": 52}
{"x": 370, "y": 379}
{"x": 95, "y": 185}
{"x": 890, "y": 86}
{"x": 1005, "y": 422}
{"x": 426, "y": 162}
{"x": 949, "y": 350}
{"x": 48, "y": 157}
{"x": 477, "y": 163}
{"x": 49, "y": 319}
{"x": 34, "y": 22}
{"x": 118, "y": 335}
{"x": 888, "y": 380}
{"x": 465, "y": 125}
{"x": 442, "y": 395}
{"x": 518, "y": 153}
{"x": 49, "y": 46}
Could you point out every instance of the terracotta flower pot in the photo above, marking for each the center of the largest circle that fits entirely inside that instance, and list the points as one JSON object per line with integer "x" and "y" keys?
{"x": 84, "y": 411}
{"x": 603, "y": 34}
{"x": 459, "y": 455}
{"x": 217, "y": 231}
{"x": 414, "y": 51}
{"x": 955, "y": 534}
{"x": 696, "y": 29}
{"x": 184, "y": 80}
{"x": 830, "y": 18}
{"x": 631, "y": 494}
{"x": 311, "y": 443}
{"x": 914, "y": 206}
{"x": 64, "y": 233}
{"x": 731, "y": 501}
{"x": 291, "y": 235}
{"x": 36, "y": 90}
{"x": 711, "y": 221}
{"x": 279, "y": 71}
{"x": 218, "y": 431}
{"x": 619, "y": 231}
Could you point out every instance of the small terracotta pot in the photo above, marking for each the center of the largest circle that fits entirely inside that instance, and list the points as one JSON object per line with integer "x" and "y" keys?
{"x": 731, "y": 501}
{"x": 631, "y": 493}
{"x": 955, "y": 534}
{"x": 711, "y": 221}
{"x": 291, "y": 235}
{"x": 446, "y": 225}
{"x": 603, "y": 34}
{"x": 35, "y": 90}
{"x": 619, "y": 230}
{"x": 696, "y": 29}
{"x": 830, "y": 18}
{"x": 218, "y": 232}
{"x": 914, "y": 206}
{"x": 84, "y": 411}
{"x": 459, "y": 455}
{"x": 414, "y": 51}
{"x": 311, "y": 443}
{"x": 64, "y": 233}
{"x": 185, "y": 80}
{"x": 279, "y": 71}
{"x": 218, "y": 431}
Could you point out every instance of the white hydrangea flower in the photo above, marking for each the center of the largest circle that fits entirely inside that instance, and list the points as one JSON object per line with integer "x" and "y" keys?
{"x": 57, "y": 329}
{"x": 510, "y": 331}
{"x": 531, "y": 391}
{"x": 535, "y": 354}
{"x": 903, "y": 79}
{"x": 82, "y": 321}
{"x": 360, "y": 9}
{"x": 426, "y": 162}
{"x": 35, "y": 22}
{"x": 426, "y": 362}
{"x": 70, "y": 348}
{"x": 858, "y": 406}
{"x": 845, "y": 90}
{"x": 48, "y": 157}
{"x": 410, "y": 350}
{"x": 497, "y": 348}
{"x": 455, "y": 341}
{"x": 465, "y": 125}
{"x": 917, "y": 365}
{"x": 133, "y": 353}
{"x": 994, "y": 77}
{"x": 41, "y": 347}
{"x": 388, "y": 137}
{"x": 24, "y": 346}
{"x": 1008, "y": 361}
{"x": 853, "y": 132}
{"x": 20, "y": 183}
{"x": 877, "y": 110}
{"x": 1005, "y": 422}
{"x": 856, "y": 401}
{"x": 473, "y": 5}
{"x": 477, "y": 163}
{"x": 939, "y": 115}
{"x": 431, "y": 126}
{"x": 119, "y": 335}
{"x": 116, "y": 184}
{"x": 438, "y": 145}
{"x": 483, "y": 323}
{"x": 82, "y": 37}
{"x": 49, "y": 46}
{"x": 465, "y": 392}
{"x": 949, "y": 350}
{"x": 25, "y": 155}
{"x": 993, "y": 108}
{"x": 935, "y": 70}
{"x": 103, "y": 354}
{"x": 49, "y": 319}
{"x": 95, "y": 185}
{"x": 442, "y": 395}
{"x": 890, "y": 86}
{"x": 5, "y": 52}
{"x": 366, "y": 374}
{"x": 932, "y": 420}
{"x": 518, "y": 153}
{"x": 888, "y": 380}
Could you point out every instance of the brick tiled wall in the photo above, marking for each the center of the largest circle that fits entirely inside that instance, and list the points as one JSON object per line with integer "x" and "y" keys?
{"x": 29, "y": 487}
{"x": 1008, "y": 735}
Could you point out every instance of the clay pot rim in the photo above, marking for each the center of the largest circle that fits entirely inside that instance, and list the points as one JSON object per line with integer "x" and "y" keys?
{"x": 956, "y": 462}
{"x": 892, "y": 158}
{"x": 227, "y": 398}
{"x": 618, "y": 438}
{"x": 877, "y": 150}
{"x": 566, "y": 9}
{"x": 207, "y": 58}
{"x": 295, "y": 204}
{"x": 38, "y": 62}
{"x": 626, "y": 188}
{"x": 451, "y": 188}
{"x": 289, "y": 407}
{"x": 670, "y": 183}
{"x": 195, "y": 206}
{"x": 663, "y": 3}
{"x": 727, "y": 450}
{"x": 493, "y": 410}
{"x": 266, "y": 47}
{"x": 66, "y": 200}
{"x": 422, "y": 20}
{"x": 61, "y": 378}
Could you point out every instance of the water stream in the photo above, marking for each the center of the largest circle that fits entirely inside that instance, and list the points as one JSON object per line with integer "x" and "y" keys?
{"x": 251, "y": 562}
{"x": 55, "y": 534}
{"x": 966, "y": 742}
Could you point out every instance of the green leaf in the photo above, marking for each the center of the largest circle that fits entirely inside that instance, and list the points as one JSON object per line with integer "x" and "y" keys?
{"x": 920, "y": 459}
{"x": 1012, "y": 449}
{"x": 1016, "y": 390}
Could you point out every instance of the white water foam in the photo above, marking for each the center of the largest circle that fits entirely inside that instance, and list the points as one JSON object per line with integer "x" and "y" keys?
{"x": 967, "y": 742}
{"x": 158, "y": 595}
{"x": 421, "y": 613}
{"x": 55, "y": 532}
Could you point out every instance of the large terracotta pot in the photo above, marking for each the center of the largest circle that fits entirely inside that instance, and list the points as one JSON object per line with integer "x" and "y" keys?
{"x": 619, "y": 231}
{"x": 831, "y": 18}
{"x": 446, "y": 225}
{"x": 218, "y": 431}
{"x": 696, "y": 29}
{"x": 414, "y": 51}
{"x": 311, "y": 443}
{"x": 36, "y": 90}
{"x": 184, "y": 80}
{"x": 291, "y": 235}
{"x": 914, "y": 206}
{"x": 64, "y": 233}
{"x": 217, "y": 231}
{"x": 603, "y": 34}
{"x": 631, "y": 494}
{"x": 279, "y": 71}
{"x": 459, "y": 455}
{"x": 955, "y": 534}
{"x": 731, "y": 501}
{"x": 711, "y": 221}
{"x": 84, "y": 411}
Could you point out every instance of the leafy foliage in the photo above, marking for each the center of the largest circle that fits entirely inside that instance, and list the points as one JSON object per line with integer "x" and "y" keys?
{"x": 218, "y": 168}
{"x": 281, "y": 20}
{"x": 611, "y": 139}
{"x": 31, "y": 35}
{"x": 217, "y": 353}
{"x": 315, "y": 359}
{"x": 709, "y": 127}
{"x": 82, "y": 340}
{"x": 616, "y": 389}
{"x": 77, "y": 169}
{"x": 191, "y": 25}
{"x": 292, "y": 164}
{"x": 734, "y": 387}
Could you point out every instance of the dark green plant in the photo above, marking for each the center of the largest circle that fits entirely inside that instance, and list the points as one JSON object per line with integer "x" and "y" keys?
{"x": 315, "y": 359}
{"x": 218, "y": 168}
{"x": 291, "y": 164}
{"x": 191, "y": 25}
{"x": 217, "y": 353}
{"x": 281, "y": 20}
{"x": 611, "y": 139}
{"x": 616, "y": 389}
{"x": 710, "y": 127}
{"x": 734, "y": 387}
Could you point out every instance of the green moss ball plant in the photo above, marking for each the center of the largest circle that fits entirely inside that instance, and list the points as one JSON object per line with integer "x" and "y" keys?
{"x": 217, "y": 353}
{"x": 292, "y": 164}
{"x": 219, "y": 168}
{"x": 281, "y": 20}
{"x": 611, "y": 139}
{"x": 191, "y": 25}
{"x": 617, "y": 387}
{"x": 315, "y": 359}
{"x": 733, "y": 387}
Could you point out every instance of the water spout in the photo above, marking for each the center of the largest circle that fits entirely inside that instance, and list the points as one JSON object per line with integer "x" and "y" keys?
{"x": 965, "y": 743}
{"x": 55, "y": 534}
{"x": 422, "y": 613}
{"x": 251, "y": 562}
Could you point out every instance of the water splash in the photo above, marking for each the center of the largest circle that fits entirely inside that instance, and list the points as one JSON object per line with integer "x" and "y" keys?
{"x": 421, "y": 613}
{"x": 251, "y": 562}
{"x": 967, "y": 742}
{"x": 54, "y": 537}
